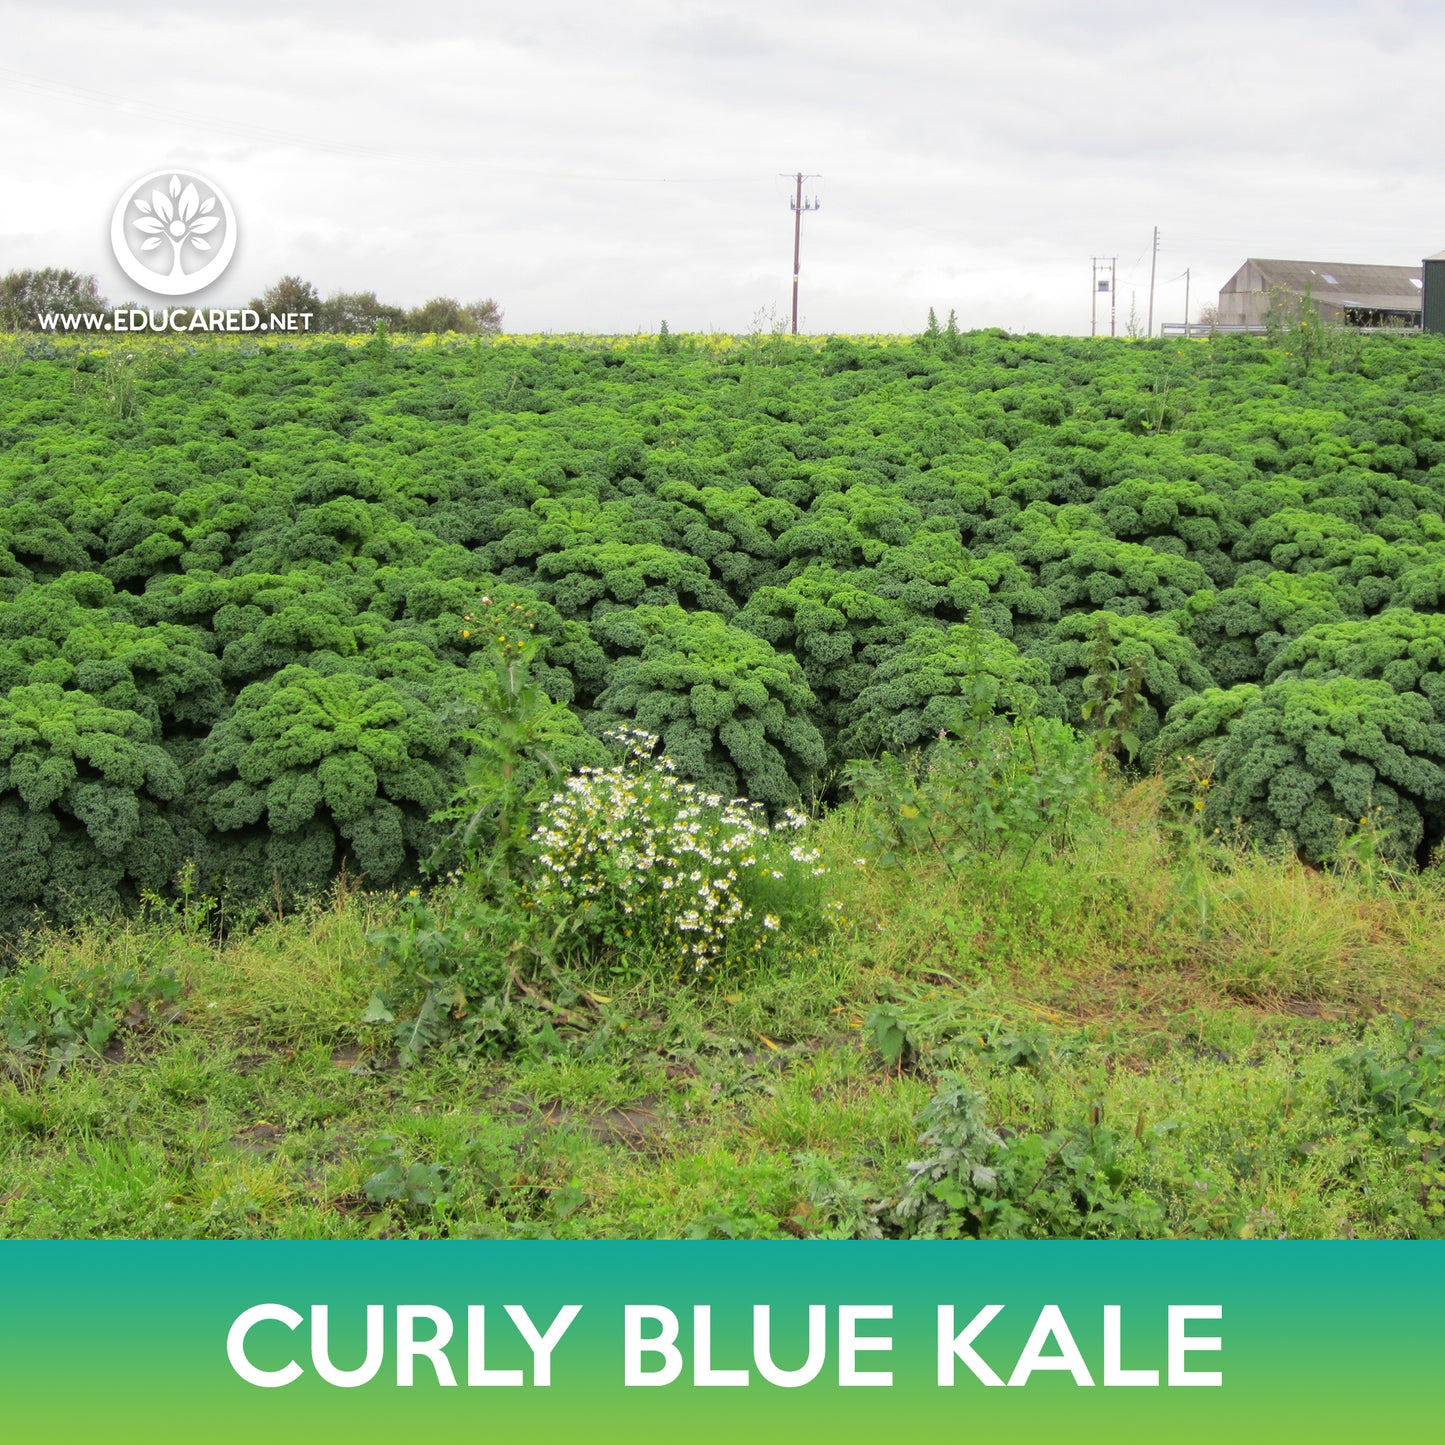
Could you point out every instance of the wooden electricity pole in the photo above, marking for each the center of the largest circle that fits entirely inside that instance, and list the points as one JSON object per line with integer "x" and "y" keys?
{"x": 1153, "y": 266}
{"x": 799, "y": 206}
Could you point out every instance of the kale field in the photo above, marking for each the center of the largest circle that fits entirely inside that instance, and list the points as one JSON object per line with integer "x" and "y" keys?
{"x": 1091, "y": 696}
{"x": 243, "y": 591}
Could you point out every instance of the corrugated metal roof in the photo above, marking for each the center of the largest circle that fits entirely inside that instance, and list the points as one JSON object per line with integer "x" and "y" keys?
{"x": 1362, "y": 285}
{"x": 1438, "y": 256}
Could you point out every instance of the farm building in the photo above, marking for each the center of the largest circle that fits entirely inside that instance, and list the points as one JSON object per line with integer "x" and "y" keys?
{"x": 1345, "y": 293}
{"x": 1434, "y": 311}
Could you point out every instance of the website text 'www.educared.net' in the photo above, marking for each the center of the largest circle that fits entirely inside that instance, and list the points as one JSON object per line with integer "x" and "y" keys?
{"x": 174, "y": 319}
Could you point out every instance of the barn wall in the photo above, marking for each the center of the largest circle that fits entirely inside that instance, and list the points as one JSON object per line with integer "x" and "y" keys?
{"x": 1243, "y": 299}
{"x": 1433, "y": 310}
{"x": 1243, "y": 308}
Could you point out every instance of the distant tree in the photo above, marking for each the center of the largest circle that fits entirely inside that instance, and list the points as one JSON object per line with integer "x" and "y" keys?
{"x": 291, "y": 294}
{"x": 444, "y": 313}
{"x": 931, "y": 332}
{"x": 357, "y": 311}
{"x": 485, "y": 316}
{"x": 441, "y": 313}
{"x": 952, "y": 345}
{"x": 25, "y": 293}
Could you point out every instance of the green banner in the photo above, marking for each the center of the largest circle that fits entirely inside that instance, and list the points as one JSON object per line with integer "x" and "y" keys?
{"x": 726, "y": 1341}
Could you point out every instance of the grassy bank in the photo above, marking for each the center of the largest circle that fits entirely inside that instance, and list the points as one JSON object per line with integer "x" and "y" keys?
{"x": 1160, "y": 1036}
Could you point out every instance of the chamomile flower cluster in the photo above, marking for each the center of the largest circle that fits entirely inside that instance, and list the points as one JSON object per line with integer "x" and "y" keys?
{"x": 653, "y": 857}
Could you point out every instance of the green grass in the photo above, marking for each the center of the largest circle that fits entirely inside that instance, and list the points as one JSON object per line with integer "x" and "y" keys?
{"x": 1196, "y": 1002}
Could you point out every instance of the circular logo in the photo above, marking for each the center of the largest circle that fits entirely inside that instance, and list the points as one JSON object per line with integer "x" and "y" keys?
{"x": 173, "y": 232}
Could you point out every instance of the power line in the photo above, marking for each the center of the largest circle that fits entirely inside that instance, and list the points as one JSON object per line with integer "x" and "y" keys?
{"x": 1127, "y": 281}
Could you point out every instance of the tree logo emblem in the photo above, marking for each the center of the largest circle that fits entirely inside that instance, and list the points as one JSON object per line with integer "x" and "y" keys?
{"x": 173, "y": 232}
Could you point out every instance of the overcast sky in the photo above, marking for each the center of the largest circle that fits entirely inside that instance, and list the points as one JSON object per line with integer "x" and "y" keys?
{"x": 602, "y": 166}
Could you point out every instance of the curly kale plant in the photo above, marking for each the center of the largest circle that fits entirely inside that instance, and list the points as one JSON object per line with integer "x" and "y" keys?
{"x": 939, "y": 678}
{"x": 734, "y": 715}
{"x": 1238, "y": 631}
{"x": 812, "y": 522}
{"x": 1085, "y": 569}
{"x": 1305, "y": 760}
{"x": 933, "y": 575}
{"x": 590, "y": 580}
{"x": 1183, "y": 517}
{"x": 1092, "y": 658}
{"x": 836, "y": 628}
{"x": 82, "y": 786}
{"x": 330, "y": 760}
{"x": 1405, "y": 649}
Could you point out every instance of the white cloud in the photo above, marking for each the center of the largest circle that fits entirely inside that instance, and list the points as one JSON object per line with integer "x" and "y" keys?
{"x": 971, "y": 155}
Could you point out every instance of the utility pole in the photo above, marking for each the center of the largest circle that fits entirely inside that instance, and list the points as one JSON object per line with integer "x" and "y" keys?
{"x": 1153, "y": 266}
{"x": 1187, "y": 332}
{"x": 1100, "y": 265}
{"x": 799, "y": 206}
